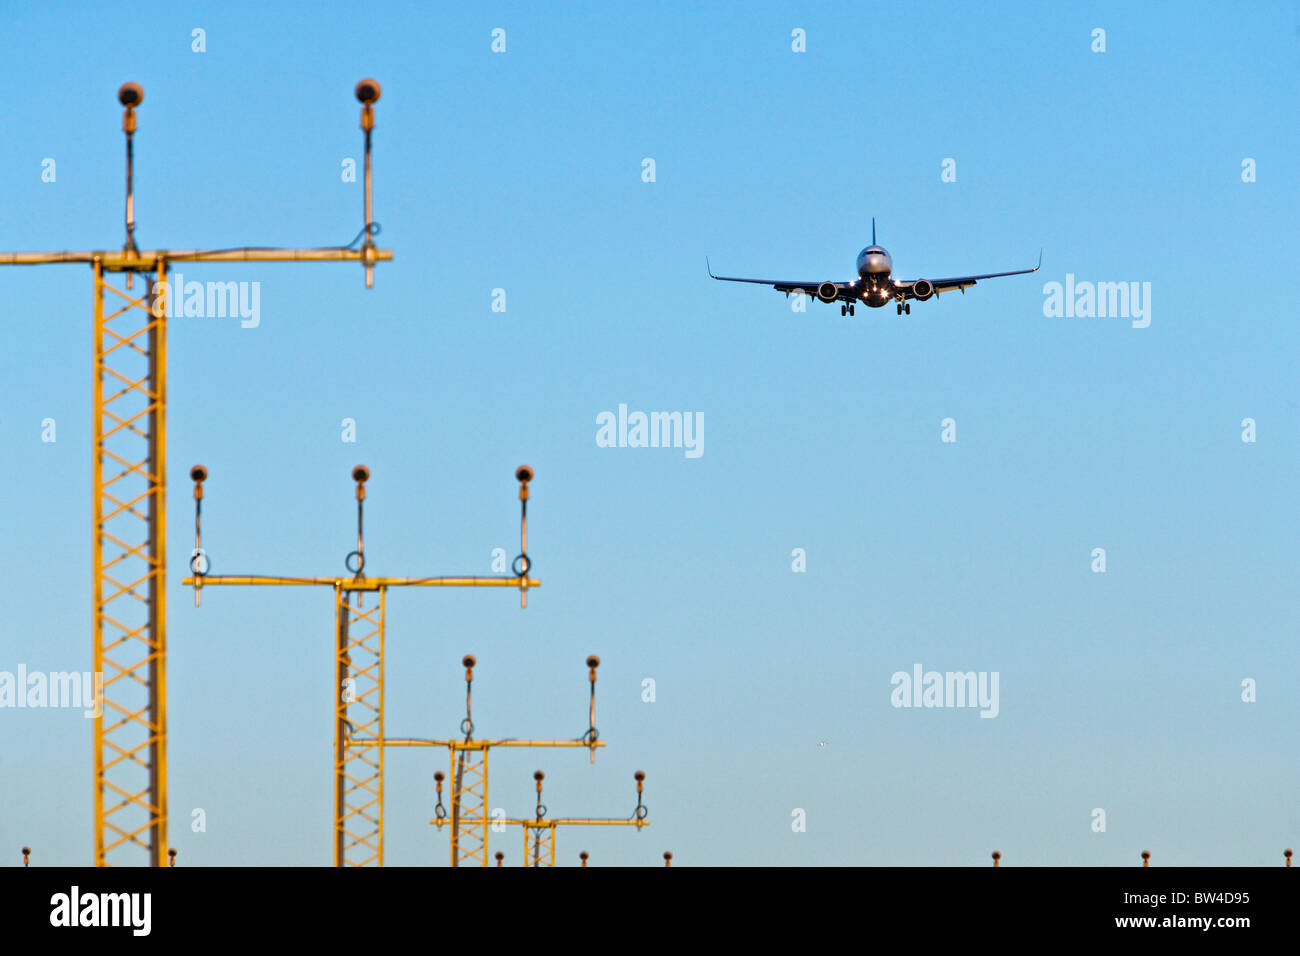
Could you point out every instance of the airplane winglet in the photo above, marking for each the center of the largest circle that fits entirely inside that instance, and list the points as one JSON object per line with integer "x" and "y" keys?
{"x": 1040, "y": 259}
{"x": 710, "y": 268}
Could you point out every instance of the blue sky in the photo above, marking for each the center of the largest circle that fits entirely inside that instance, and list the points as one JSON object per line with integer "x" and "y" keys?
{"x": 523, "y": 171}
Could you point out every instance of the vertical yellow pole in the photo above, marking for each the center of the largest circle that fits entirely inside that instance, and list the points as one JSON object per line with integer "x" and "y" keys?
{"x": 158, "y": 575}
{"x": 455, "y": 810}
{"x": 98, "y": 558}
{"x": 483, "y": 813}
{"x": 340, "y": 717}
{"x": 383, "y": 606}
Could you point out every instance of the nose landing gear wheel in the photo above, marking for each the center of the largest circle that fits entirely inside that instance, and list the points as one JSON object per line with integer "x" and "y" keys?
{"x": 844, "y": 309}
{"x": 908, "y": 308}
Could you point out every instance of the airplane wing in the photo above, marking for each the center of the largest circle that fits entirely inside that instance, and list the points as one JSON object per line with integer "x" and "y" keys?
{"x": 789, "y": 286}
{"x": 965, "y": 282}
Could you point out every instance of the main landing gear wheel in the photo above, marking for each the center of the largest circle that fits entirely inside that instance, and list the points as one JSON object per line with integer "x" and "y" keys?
{"x": 850, "y": 310}
{"x": 844, "y": 310}
{"x": 908, "y": 308}
{"x": 900, "y": 308}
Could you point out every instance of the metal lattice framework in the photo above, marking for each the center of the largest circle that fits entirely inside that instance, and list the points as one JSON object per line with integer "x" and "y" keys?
{"x": 130, "y": 497}
{"x": 469, "y": 807}
{"x": 539, "y": 832}
{"x": 358, "y": 720}
{"x": 469, "y": 811}
{"x": 359, "y": 629}
{"x": 539, "y": 843}
{"x": 130, "y": 508}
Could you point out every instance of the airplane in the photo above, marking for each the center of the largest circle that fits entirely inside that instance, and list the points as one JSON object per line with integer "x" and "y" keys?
{"x": 874, "y": 285}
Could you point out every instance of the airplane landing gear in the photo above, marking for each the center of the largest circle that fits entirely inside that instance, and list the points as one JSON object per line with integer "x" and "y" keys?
{"x": 844, "y": 310}
{"x": 908, "y": 308}
{"x": 850, "y": 310}
{"x": 900, "y": 308}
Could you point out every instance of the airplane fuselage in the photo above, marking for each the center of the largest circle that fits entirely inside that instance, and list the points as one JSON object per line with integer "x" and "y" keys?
{"x": 874, "y": 286}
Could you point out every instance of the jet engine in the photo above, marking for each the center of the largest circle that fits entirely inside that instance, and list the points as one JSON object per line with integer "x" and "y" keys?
{"x": 922, "y": 289}
{"x": 827, "y": 292}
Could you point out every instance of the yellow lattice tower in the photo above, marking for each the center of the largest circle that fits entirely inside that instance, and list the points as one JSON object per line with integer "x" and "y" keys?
{"x": 539, "y": 832}
{"x": 130, "y": 497}
{"x": 359, "y": 631}
{"x": 359, "y": 712}
{"x": 359, "y": 738}
{"x": 469, "y": 818}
